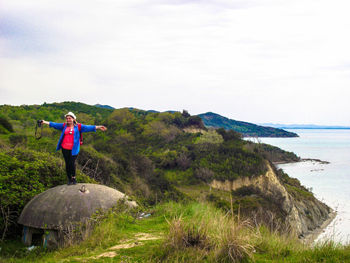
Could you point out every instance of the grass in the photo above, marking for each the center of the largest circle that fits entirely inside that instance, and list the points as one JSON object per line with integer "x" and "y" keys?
{"x": 176, "y": 232}
{"x": 297, "y": 192}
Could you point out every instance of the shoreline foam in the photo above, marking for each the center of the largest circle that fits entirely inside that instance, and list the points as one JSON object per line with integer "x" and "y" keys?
{"x": 302, "y": 160}
{"x": 311, "y": 236}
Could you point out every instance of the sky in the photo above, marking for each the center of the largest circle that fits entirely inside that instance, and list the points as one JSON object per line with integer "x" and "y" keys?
{"x": 261, "y": 61}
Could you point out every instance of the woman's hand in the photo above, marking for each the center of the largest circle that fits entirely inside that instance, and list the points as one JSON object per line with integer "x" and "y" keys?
{"x": 45, "y": 122}
{"x": 101, "y": 127}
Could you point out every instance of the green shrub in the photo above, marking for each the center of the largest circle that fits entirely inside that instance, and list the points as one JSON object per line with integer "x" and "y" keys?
{"x": 16, "y": 139}
{"x": 204, "y": 174}
{"x": 210, "y": 137}
{"x": 229, "y": 135}
{"x": 5, "y": 125}
{"x": 246, "y": 190}
{"x": 23, "y": 174}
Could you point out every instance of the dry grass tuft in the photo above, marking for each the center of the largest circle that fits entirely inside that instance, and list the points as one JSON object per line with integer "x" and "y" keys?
{"x": 183, "y": 235}
{"x": 223, "y": 238}
{"x": 234, "y": 242}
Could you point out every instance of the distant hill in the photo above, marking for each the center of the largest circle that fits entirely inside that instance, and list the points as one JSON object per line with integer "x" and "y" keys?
{"x": 303, "y": 126}
{"x": 155, "y": 111}
{"x": 130, "y": 108}
{"x": 104, "y": 106}
{"x": 211, "y": 119}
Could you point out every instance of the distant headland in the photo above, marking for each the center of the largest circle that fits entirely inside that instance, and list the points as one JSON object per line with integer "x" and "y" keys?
{"x": 214, "y": 120}
{"x": 304, "y": 126}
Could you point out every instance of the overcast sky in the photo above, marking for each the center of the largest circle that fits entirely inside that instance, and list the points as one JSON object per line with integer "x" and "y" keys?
{"x": 259, "y": 61}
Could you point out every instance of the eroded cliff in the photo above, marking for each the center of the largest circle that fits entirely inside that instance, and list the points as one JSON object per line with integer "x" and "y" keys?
{"x": 303, "y": 212}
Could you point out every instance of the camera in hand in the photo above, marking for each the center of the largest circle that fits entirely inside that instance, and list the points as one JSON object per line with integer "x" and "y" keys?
{"x": 39, "y": 123}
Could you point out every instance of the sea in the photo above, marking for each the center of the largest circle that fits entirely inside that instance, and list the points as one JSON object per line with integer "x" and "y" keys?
{"x": 330, "y": 183}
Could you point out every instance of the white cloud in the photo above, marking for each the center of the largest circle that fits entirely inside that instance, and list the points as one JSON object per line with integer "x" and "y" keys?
{"x": 259, "y": 61}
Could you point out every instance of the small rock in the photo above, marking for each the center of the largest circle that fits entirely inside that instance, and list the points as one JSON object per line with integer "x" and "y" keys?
{"x": 30, "y": 248}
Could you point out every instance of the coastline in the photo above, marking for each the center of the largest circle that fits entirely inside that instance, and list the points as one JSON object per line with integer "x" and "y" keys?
{"x": 310, "y": 237}
{"x": 326, "y": 184}
{"x": 314, "y": 234}
{"x": 302, "y": 160}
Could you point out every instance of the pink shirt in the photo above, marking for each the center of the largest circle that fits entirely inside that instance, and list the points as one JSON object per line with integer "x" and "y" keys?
{"x": 68, "y": 139}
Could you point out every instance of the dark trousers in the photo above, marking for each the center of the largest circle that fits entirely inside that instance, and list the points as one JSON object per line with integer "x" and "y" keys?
{"x": 70, "y": 163}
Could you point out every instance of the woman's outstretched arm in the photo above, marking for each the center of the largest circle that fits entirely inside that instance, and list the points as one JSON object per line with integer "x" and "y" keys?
{"x": 101, "y": 127}
{"x": 58, "y": 126}
{"x": 92, "y": 128}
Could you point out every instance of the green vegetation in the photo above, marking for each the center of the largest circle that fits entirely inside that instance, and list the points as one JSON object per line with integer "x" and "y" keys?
{"x": 150, "y": 157}
{"x": 273, "y": 153}
{"x": 5, "y": 125}
{"x": 145, "y": 154}
{"x": 214, "y": 120}
{"x": 24, "y": 174}
{"x": 294, "y": 187}
{"x": 178, "y": 232}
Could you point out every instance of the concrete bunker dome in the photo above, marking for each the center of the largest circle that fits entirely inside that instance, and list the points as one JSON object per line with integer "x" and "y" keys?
{"x": 57, "y": 208}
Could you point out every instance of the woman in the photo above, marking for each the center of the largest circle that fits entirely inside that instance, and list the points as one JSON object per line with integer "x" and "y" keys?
{"x": 69, "y": 141}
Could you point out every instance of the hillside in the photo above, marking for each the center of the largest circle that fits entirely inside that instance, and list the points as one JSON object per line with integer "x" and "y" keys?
{"x": 177, "y": 232}
{"x": 214, "y": 120}
{"x": 104, "y": 106}
{"x": 305, "y": 126}
{"x": 153, "y": 159}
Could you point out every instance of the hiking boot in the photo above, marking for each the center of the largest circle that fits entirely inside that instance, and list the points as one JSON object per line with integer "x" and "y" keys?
{"x": 69, "y": 182}
{"x": 74, "y": 181}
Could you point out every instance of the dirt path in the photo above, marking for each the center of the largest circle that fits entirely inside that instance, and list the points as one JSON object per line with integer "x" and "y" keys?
{"x": 138, "y": 240}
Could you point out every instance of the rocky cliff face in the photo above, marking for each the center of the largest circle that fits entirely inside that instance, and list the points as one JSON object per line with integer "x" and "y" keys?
{"x": 303, "y": 214}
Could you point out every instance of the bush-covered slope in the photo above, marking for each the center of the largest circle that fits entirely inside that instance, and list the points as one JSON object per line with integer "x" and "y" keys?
{"x": 273, "y": 153}
{"x": 178, "y": 232}
{"x": 148, "y": 155}
{"x": 214, "y": 120}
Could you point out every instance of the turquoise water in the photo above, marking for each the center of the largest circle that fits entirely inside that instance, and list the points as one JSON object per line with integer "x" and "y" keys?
{"x": 329, "y": 182}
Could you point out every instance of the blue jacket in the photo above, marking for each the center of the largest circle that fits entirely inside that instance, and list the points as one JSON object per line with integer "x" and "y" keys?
{"x": 76, "y": 145}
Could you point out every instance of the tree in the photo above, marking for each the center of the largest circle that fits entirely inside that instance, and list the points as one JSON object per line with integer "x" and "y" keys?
{"x": 185, "y": 114}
